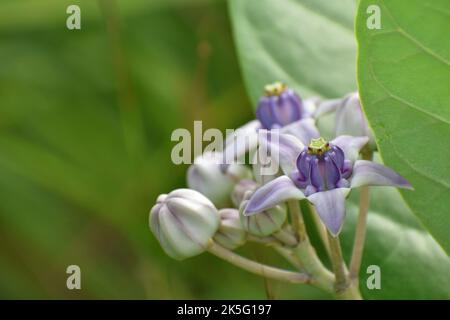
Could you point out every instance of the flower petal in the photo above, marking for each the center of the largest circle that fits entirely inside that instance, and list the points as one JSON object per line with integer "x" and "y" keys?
{"x": 350, "y": 119}
{"x": 327, "y": 106}
{"x": 310, "y": 106}
{"x": 283, "y": 148}
{"x": 330, "y": 206}
{"x": 265, "y": 112}
{"x": 350, "y": 145}
{"x": 304, "y": 130}
{"x": 276, "y": 191}
{"x": 368, "y": 173}
{"x": 289, "y": 107}
{"x": 244, "y": 140}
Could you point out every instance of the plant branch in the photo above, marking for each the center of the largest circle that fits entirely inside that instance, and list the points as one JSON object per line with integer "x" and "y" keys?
{"x": 256, "y": 267}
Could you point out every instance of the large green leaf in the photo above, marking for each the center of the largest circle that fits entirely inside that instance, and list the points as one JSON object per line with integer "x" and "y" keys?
{"x": 404, "y": 77}
{"x": 305, "y": 44}
{"x": 284, "y": 40}
{"x": 412, "y": 264}
{"x": 308, "y": 44}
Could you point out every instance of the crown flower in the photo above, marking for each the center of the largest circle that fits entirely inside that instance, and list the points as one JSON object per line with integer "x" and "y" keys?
{"x": 323, "y": 173}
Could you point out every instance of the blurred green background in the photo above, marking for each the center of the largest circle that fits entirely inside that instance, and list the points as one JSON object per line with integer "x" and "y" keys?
{"x": 85, "y": 119}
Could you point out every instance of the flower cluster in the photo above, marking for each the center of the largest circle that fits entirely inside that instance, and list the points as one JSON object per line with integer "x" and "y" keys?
{"x": 229, "y": 204}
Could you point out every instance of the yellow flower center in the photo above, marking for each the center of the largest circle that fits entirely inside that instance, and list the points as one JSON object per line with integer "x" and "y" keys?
{"x": 318, "y": 146}
{"x": 275, "y": 89}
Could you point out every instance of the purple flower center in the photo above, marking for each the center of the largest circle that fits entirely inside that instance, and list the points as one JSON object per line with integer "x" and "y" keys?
{"x": 322, "y": 166}
{"x": 279, "y": 107}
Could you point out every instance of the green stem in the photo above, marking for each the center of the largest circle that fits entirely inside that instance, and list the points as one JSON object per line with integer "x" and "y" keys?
{"x": 321, "y": 229}
{"x": 344, "y": 288}
{"x": 321, "y": 277}
{"x": 361, "y": 226}
{"x": 256, "y": 267}
{"x": 338, "y": 262}
{"x": 289, "y": 256}
{"x": 297, "y": 220}
{"x": 286, "y": 237}
{"x": 360, "y": 233}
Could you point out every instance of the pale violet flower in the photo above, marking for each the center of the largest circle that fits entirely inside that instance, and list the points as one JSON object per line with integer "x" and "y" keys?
{"x": 323, "y": 173}
{"x": 205, "y": 176}
{"x": 349, "y": 117}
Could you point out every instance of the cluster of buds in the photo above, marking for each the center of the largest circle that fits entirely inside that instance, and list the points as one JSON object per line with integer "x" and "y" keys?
{"x": 229, "y": 204}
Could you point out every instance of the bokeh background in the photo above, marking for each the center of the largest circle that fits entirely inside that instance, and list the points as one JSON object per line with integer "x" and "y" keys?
{"x": 85, "y": 124}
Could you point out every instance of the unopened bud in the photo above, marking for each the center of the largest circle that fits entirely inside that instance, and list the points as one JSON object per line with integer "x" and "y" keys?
{"x": 240, "y": 189}
{"x": 265, "y": 223}
{"x": 231, "y": 233}
{"x": 206, "y": 176}
{"x": 184, "y": 221}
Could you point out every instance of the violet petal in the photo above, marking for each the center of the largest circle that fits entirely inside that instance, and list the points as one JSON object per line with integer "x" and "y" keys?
{"x": 350, "y": 145}
{"x": 304, "y": 130}
{"x": 274, "y": 192}
{"x": 330, "y": 205}
{"x": 368, "y": 173}
{"x": 284, "y": 149}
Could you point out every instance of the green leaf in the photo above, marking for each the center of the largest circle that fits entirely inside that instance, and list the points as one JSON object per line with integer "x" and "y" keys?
{"x": 412, "y": 264}
{"x": 273, "y": 40}
{"x": 404, "y": 76}
{"x": 309, "y": 44}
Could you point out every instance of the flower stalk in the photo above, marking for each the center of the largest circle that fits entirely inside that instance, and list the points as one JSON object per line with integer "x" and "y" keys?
{"x": 256, "y": 267}
{"x": 297, "y": 220}
{"x": 361, "y": 226}
{"x": 338, "y": 263}
{"x": 306, "y": 254}
{"x": 321, "y": 276}
{"x": 344, "y": 288}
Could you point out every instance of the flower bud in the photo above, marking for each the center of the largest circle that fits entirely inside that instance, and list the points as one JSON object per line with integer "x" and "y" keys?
{"x": 265, "y": 223}
{"x": 240, "y": 189}
{"x": 206, "y": 176}
{"x": 279, "y": 106}
{"x": 183, "y": 222}
{"x": 230, "y": 234}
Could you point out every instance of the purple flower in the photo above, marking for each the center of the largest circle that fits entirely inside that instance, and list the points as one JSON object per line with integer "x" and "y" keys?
{"x": 323, "y": 173}
{"x": 280, "y": 108}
